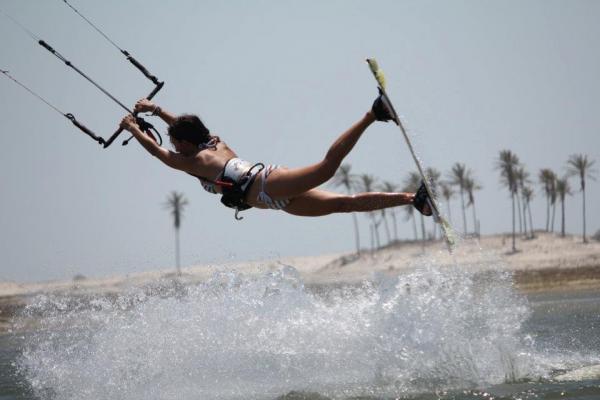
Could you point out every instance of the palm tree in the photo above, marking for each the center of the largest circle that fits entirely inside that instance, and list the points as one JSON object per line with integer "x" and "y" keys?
{"x": 470, "y": 187}
{"x": 410, "y": 213}
{"x": 411, "y": 184}
{"x": 457, "y": 177}
{"x": 563, "y": 189}
{"x": 175, "y": 203}
{"x": 344, "y": 178}
{"x": 507, "y": 163}
{"x": 383, "y": 219}
{"x": 390, "y": 187}
{"x": 527, "y": 197}
{"x": 447, "y": 194}
{"x": 578, "y": 164}
{"x": 433, "y": 175}
{"x": 546, "y": 178}
{"x": 367, "y": 184}
{"x": 553, "y": 196}
{"x": 522, "y": 177}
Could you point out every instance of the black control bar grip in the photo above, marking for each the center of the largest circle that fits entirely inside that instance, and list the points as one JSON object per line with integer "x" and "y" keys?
{"x": 118, "y": 131}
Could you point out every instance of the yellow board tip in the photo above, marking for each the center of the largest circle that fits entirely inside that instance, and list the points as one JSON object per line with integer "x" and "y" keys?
{"x": 377, "y": 72}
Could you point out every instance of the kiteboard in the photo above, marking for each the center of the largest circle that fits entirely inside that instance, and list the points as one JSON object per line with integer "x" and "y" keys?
{"x": 448, "y": 232}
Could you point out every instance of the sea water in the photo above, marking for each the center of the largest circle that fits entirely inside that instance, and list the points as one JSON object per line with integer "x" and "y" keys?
{"x": 428, "y": 334}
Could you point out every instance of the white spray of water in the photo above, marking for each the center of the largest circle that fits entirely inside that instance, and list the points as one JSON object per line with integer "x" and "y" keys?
{"x": 259, "y": 337}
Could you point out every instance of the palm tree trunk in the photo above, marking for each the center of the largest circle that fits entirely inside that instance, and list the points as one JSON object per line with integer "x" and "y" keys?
{"x": 552, "y": 220}
{"x": 177, "y": 259}
{"x": 395, "y": 226}
{"x": 562, "y": 222}
{"x": 356, "y": 235}
{"x": 547, "y": 212}
{"x": 462, "y": 200}
{"x": 415, "y": 227}
{"x": 525, "y": 233}
{"x": 530, "y": 219}
{"x": 474, "y": 220}
{"x": 422, "y": 233}
{"x": 449, "y": 212}
{"x": 514, "y": 248}
{"x": 519, "y": 212}
{"x": 584, "y": 237}
{"x": 387, "y": 229}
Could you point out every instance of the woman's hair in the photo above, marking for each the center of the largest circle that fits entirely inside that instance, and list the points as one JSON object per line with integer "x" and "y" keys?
{"x": 190, "y": 128}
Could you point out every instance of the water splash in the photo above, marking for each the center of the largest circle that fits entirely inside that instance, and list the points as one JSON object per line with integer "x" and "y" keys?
{"x": 258, "y": 337}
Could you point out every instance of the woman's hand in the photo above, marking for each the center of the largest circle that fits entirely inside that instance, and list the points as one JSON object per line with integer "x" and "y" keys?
{"x": 129, "y": 123}
{"x": 144, "y": 105}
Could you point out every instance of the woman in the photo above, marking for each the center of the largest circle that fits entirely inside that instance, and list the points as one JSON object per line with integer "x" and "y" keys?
{"x": 246, "y": 185}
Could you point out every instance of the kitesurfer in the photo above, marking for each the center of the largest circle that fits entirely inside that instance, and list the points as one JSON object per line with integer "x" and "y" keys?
{"x": 244, "y": 184}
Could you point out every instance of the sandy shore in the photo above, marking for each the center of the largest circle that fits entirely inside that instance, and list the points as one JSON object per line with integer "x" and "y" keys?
{"x": 547, "y": 262}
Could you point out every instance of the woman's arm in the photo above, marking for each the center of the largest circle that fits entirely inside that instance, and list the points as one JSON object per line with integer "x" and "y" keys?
{"x": 145, "y": 105}
{"x": 173, "y": 160}
{"x": 164, "y": 115}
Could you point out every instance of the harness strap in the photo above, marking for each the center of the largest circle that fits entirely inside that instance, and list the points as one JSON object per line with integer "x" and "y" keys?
{"x": 211, "y": 144}
{"x": 234, "y": 196}
{"x": 234, "y": 189}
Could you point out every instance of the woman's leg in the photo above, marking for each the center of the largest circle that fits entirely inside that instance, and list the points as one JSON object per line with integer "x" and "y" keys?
{"x": 316, "y": 203}
{"x": 295, "y": 181}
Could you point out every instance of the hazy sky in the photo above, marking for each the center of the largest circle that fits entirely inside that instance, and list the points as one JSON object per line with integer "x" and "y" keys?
{"x": 278, "y": 81}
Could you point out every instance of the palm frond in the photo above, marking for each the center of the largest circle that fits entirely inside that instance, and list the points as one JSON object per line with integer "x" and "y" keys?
{"x": 470, "y": 187}
{"x": 507, "y": 164}
{"x": 176, "y": 202}
{"x": 367, "y": 182}
{"x": 546, "y": 178}
{"x": 457, "y": 175}
{"x": 388, "y": 187}
{"x": 528, "y": 193}
{"x": 563, "y": 188}
{"x": 344, "y": 178}
{"x": 580, "y": 165}
{"x": 412, "y": 182}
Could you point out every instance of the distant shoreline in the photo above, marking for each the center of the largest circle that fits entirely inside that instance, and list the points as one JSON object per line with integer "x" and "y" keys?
{"x": 558, "y": 279}
{"x": 547, "y": 263}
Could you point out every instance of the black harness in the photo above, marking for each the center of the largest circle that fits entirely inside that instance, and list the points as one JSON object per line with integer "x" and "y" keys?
{"x": 234, "y": 191}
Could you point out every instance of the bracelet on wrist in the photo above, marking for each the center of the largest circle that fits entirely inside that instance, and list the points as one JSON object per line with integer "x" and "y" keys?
{"x": 157, "y": 110}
